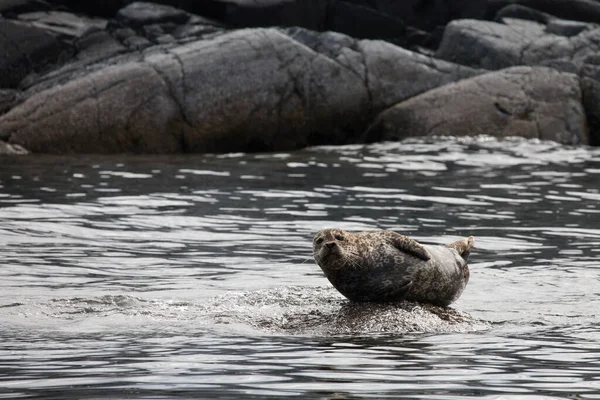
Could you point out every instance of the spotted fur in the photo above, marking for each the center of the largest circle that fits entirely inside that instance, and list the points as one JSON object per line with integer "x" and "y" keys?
{"x": 384, "y": 266}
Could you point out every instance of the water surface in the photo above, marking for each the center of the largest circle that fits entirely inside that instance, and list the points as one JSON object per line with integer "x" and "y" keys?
{"x": 151, "y": 277}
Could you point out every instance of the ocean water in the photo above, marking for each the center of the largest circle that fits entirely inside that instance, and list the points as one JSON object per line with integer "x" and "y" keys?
{"x": 192, "y": 276}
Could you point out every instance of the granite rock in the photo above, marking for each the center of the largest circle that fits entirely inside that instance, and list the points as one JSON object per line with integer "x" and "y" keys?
{"x": 530, "y": 102}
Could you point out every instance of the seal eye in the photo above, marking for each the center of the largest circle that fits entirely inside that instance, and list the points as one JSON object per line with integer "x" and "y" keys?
{"x": 319, "y": 240}
{"x": 339, "y": 237}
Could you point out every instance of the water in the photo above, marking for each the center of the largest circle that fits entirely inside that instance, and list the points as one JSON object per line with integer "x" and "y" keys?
{"x": 165, "y": 277}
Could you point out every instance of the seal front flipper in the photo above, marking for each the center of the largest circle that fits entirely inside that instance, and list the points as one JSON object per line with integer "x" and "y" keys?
{"x": 403, "y": 287}
{"x": 408, "y": 245}
{"x": 463, "y": 246}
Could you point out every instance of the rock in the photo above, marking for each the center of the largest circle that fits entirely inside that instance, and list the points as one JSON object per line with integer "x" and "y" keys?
{"x": 566, "y": 28}
{"x": 392, "y": 74}
{"x": 521, "y": 12}
{"x": 590, "y": 88}
{"x": 62, "y": 23}
{"x": 153, "y": 31}
{"x": 247, "y": 90}
{"x": 488, "y": 45}
{"x": 102, "y": 8}
{"x": 120, "y": 33}
{"x": 380, "y": 19}
{"x": 142, "y": 13}
{"x": 412, "y": 23}
{"x": 197, "y": 27}
{"x": 165, "y": 39}
{"x": 395, "y": 74}
{"x": 97, "y": 44}
{"x": 492, "y": 46}
{"x": 319, "y": 311}
{"x": 579, "y": 10}
{"x": 8, "y": 98}
{"x": 530, "y": 102}
{"x": 137, "y": 43}
{"x": 130, "y": 38}
{"x": 11, "y": 149}
{"x": 25, "y": 49}
{"x": 155, "y": 77}
{"x": 159, "y": 24}
{"x": 117, "y": 109}
{"x": 403, "y": 316}
{"x": 562, "y": 65}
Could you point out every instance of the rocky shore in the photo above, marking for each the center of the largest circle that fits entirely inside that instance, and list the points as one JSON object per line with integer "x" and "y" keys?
{"x": 265, "y": 75}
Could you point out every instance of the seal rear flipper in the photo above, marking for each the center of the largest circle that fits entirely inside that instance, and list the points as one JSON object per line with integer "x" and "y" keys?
{"x": 410, "y": 246}
{"x": 463, "y": 246}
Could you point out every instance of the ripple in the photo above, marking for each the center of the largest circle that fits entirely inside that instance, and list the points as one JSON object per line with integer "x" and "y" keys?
{"x": 193, "y": 276}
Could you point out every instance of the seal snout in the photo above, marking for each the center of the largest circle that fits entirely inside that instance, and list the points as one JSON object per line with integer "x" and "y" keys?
{"x": 330, "y": 248}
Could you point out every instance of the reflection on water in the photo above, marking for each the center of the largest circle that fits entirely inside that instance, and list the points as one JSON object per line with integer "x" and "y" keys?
{"x": 112, "y": 264}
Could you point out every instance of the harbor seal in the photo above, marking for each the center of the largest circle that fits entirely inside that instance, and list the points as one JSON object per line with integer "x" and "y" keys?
{"x": 382, "y": 266}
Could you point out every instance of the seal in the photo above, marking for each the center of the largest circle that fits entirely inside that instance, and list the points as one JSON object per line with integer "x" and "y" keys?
{"x": 384, "y": 266}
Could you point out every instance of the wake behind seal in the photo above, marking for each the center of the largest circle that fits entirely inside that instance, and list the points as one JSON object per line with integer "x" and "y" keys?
{"x": 384, "y": 266}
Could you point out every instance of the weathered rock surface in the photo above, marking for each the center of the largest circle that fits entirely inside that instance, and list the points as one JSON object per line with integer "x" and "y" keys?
{"x": 62, "y": 23}
{"x": 516, "y": 11}
{"x": 11, "y": 149}
{"x": 492, "y": 45}
{"x": 531, "y": 102}
{"x": 25, "y": 49}
{"x": 180, "y": 75}
{"x": 380, "y": 19}
{"x": 568, "y": 46}
{"x": 590, "y": 88}
{"x": 196, "y": 98}
{"x": 95, "y": 45}
{"x": 103, "y": 8}
{"x": 144, "y": 13}
{"x": 8, "y": 98}
{"x": 581, "y": 10}
{"x": 156, "y": 23}
{"x": 390, "y": 73}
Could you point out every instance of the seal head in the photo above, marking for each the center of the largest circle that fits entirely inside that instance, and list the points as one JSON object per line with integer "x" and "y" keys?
{"x": 386, "y": 266}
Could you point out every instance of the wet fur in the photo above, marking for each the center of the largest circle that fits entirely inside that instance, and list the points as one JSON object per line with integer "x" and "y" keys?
{"x": 384, "y": 266}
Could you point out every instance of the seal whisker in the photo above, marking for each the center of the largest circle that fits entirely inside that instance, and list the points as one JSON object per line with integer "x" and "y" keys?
{"x": 307, "y": 259}
{"x": 353, "y": 258}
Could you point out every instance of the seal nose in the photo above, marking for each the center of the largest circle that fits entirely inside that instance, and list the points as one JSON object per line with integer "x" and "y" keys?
{"x": 330, "y": 245}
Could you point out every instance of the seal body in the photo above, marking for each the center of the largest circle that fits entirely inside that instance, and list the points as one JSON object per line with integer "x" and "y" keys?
{"x": 382, "y": 266}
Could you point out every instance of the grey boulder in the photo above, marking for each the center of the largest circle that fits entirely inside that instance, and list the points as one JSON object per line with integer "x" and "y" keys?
{"x": 25, "y": 49}
{"x": 530, "y": 102}
{"x": 493, "y": 45}
{"x": 247, "y": 90}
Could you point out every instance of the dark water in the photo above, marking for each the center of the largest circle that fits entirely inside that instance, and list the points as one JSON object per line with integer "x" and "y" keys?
{"x": 129, "y": 277}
